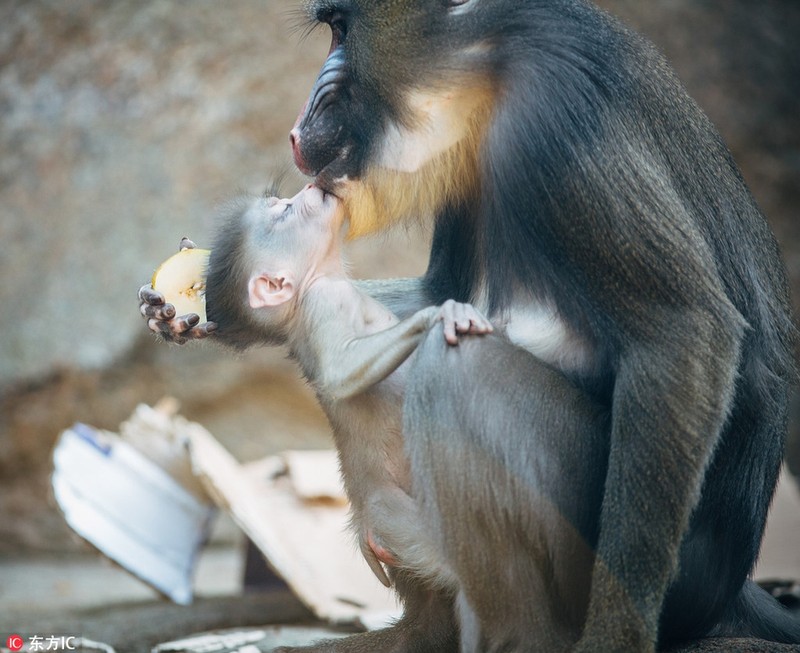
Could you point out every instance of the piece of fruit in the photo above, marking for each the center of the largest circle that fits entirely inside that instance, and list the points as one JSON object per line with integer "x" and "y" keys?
{"x": 182, "y": 281}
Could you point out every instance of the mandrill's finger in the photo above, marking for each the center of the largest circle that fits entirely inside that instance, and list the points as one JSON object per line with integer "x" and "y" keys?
{"x": 150, "y": 296}
{"x": 450, "y": 332}
{"x": 462, "y": 319}
{"x": 186, "y": 244}
{"x": 201, "y": 331}
{"x": 160, "y": 327}
{"x": 480, "y": 327}
{"x": 479, "y": 323}
{"x": 164, "y": 312}
{"x": 165, "y": 330}
{"x": 180, "y": 325}
{"x": 459, "y": 316}
{"x": 448, "y": 322}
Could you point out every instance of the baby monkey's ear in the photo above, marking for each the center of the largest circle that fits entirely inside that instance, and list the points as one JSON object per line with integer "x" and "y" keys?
{"x": 269, "y": 291}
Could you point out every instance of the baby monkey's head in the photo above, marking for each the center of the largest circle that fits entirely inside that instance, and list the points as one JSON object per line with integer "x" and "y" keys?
{"x": 266, "y": 253}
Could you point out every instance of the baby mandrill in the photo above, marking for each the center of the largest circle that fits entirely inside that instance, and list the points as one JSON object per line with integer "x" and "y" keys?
{"x": 276, "y": 276}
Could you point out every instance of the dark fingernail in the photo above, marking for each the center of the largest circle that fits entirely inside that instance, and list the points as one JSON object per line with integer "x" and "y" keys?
{"x": 168, "y": 311}
{"x": 153, "y": 297}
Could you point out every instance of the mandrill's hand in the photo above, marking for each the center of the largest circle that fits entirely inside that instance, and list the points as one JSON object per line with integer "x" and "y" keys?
{"x": 461, "y": 319}
{"x": 161, "y": 317}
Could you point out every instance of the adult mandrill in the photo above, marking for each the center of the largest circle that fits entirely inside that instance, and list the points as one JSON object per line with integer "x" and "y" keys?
{"x": 581, "y": 197}
{"x": 586, "y": 205}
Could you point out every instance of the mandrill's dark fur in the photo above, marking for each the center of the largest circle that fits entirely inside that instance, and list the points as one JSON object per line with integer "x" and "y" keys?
{"x": 583, "y": 182}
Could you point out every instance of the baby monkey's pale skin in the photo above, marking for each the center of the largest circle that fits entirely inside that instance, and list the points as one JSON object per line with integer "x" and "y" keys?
{"x": 276, "y": 275}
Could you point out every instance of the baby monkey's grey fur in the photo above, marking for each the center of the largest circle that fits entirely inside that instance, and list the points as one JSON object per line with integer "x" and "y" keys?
{"x": 276, "y": 276}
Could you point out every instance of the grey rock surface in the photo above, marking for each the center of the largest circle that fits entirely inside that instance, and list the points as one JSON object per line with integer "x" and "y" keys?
{"x": 121, "y": 125}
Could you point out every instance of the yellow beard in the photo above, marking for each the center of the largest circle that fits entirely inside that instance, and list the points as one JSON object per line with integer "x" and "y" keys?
{"x": 384, "y": 197}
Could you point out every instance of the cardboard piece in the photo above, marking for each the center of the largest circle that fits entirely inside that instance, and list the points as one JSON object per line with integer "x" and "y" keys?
{"x": 305, "y": 541}
{"x": 145, "y": 499}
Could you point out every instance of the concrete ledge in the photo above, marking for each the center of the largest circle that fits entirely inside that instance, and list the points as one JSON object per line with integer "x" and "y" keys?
{"x": 721, "y": 645}
{"x": 138, "y": 627}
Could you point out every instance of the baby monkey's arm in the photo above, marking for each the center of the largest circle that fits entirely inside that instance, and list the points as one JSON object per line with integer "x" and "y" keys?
{"x": 403, "y": 297}
{"x": 362, "y": 362}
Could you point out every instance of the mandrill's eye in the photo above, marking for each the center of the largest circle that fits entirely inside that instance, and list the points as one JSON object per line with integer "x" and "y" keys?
{"x": 338, "y": 24}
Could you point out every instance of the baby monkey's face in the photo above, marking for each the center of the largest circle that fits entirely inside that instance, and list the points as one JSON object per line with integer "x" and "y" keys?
{"x": 300, "y": 233}
{"x": 311, "y": 205}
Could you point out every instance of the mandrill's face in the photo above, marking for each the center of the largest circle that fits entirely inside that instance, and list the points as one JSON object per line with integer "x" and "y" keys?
{"x": 398, "y": 88}
{"x": 394, "y": 123}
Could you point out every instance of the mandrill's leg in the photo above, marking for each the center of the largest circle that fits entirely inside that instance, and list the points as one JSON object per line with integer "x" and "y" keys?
{"x": 427, "y": 626}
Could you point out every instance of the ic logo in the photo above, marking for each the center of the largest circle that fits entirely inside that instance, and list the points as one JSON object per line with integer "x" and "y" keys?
{"x": 14, "y": 643}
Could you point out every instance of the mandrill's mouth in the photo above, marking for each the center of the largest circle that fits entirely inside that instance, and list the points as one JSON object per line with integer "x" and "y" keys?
{"x": 331, "y": 169}
{"x": 329, "y": 184}
{"x": 297, "y": 155}
{"x": 327, "y": 196}
{"x": 325, "y": 185}
{"x": 316, "y": 162}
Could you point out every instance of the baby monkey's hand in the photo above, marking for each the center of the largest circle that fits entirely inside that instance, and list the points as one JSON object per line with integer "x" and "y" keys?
{"x": 161, "y": 317}
{"x": 459, "y": 319}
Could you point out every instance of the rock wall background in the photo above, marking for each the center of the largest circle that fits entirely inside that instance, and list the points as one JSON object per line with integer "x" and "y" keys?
{"x": 123, "y": 123}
